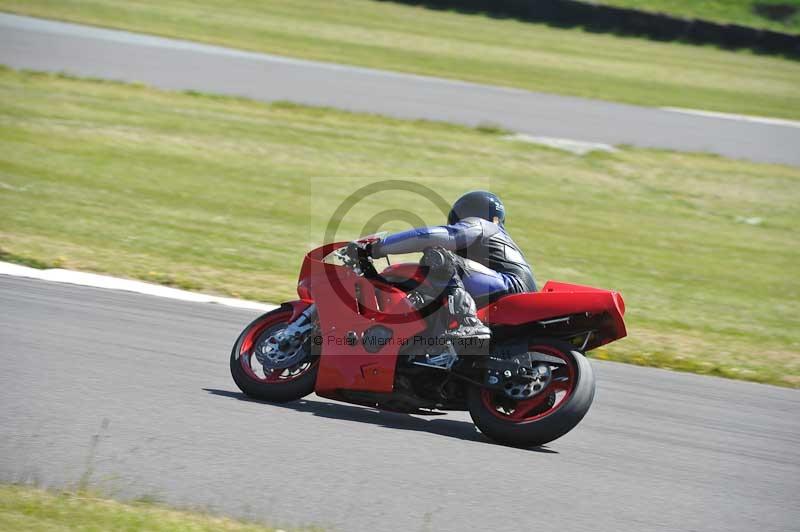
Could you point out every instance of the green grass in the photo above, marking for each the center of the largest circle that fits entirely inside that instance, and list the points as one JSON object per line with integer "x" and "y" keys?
{"x": 226, "y": 195}
{"x": 743, "y": 12}
{"x": 31, "y": 510}
{"x": 470, "y": 47}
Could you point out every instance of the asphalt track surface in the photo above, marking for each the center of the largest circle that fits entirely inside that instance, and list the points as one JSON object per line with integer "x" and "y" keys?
{"x": 132, "y": 394}
{"x": 172, "y": 64}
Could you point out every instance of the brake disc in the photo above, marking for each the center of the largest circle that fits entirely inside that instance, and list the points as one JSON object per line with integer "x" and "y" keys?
{"x": 281, "y": 350}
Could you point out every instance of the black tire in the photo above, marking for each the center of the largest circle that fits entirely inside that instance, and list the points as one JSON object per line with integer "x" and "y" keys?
{"x": 554, "y": 425}
{"x": 276, "y": 392}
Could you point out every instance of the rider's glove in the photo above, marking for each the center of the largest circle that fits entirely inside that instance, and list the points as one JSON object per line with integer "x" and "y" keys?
{"x": 368, "y": 247}
{"x": 360, "y": 249}
{"x": 358, "y": 252}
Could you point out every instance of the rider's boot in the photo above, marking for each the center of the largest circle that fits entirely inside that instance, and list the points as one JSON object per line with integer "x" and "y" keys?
{"x": 444, "y": 268}
{"x": 464, "y": 311}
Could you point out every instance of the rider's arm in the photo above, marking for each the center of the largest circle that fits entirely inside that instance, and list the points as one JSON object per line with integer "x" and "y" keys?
{"x": 450, "y": 237}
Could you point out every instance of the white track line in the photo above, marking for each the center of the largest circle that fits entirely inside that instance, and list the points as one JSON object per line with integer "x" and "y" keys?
{"x": 58, "y": 275}
{"x": 578, "y": 147}
{"x": 730, "y": 116}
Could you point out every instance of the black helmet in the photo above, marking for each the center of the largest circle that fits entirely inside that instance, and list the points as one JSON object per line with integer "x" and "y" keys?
{"x": 478, "y": 204}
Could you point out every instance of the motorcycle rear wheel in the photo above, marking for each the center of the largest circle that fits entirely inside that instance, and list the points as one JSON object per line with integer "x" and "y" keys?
{"x": 278, "y": 386}
{"x": 541, "y": 419}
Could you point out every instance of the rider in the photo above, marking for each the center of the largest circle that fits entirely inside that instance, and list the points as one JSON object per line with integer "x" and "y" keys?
{"x": 472, "y": 255}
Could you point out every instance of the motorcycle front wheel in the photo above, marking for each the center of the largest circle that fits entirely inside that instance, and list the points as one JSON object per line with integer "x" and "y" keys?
{"x": 279, "y": 385}
{"x": 546, "y": 416}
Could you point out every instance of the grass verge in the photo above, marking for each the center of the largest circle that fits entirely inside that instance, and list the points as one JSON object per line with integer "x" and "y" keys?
{"x": 455, "y": 45}
{"x": 31, "y": 510}
{"x": 226, "y": 195}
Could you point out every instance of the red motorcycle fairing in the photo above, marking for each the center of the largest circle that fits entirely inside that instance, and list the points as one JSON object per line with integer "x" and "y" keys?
{"x": 349, "y": 306}
{"x": 556, "y": 300}
{"x": 313, "y": 257}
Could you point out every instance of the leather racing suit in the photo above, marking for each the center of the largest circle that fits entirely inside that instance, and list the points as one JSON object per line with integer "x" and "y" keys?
{"x": 473, "y": 258}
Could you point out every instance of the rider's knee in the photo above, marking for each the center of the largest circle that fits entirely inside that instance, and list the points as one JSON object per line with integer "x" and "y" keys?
{"x": 440, "y": 262}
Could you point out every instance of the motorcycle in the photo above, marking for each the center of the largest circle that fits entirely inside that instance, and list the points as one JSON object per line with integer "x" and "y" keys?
{"x": 363, "y": 337}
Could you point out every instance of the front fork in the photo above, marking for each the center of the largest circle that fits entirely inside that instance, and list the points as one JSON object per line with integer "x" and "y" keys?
{"x": 304, "y": 323}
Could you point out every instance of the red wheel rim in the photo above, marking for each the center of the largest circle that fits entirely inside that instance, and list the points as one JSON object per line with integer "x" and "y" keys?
{"x": 562, "y": 385}
{"x": 247, "y": 350}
